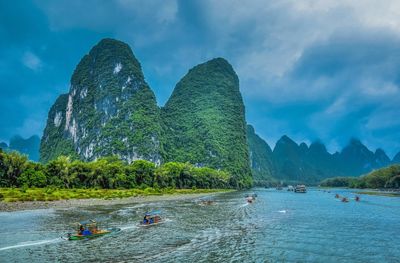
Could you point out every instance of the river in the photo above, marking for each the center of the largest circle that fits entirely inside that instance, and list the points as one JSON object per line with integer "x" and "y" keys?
{"x": 279, "y": 226}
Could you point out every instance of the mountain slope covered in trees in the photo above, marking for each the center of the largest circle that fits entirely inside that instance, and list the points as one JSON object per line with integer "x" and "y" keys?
{"x": 261, "y": 159}
{"x": 111, "y": 111}
{"x": 204, "y": 121}
{"x": 292, "y": 162}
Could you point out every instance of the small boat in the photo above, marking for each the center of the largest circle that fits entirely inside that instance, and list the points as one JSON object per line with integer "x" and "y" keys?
{"x": 357, "y": 198}
{"x": 151, "y": 218}
{"x": 300, "y": 188}
{"x": 337, "y": 195}
{"x": 250, "y": 199}
{"x": 89, "y": 230}
{"x": 207, "y": 202}
{"x": 345, "y": 200}
{"x": 290, "y": 188}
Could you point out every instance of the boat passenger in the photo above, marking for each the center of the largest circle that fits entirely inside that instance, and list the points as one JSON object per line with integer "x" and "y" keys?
{"x": 145, "y": 220}
{"x": 81, "y": 229}
{"x": 86, "y": 232}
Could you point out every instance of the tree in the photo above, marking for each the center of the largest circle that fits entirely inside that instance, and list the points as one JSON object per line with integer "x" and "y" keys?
{"x": 58, "y": 172}
{"x": 144, "y": 172}
{"x": 12, "y": 165}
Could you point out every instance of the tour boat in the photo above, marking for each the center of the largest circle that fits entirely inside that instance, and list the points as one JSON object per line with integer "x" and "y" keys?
{"x": 89, "y": 230}
{"x": 300, "y": 188}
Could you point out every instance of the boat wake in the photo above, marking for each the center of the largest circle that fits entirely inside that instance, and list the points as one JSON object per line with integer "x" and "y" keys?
{"x": 32, "y": 243}
{"x": 282, "y": 211}
{"x": 129, "y": 227}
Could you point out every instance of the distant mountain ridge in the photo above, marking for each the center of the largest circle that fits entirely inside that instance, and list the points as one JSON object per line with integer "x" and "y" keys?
{"x": 29, "y": 146}
{"x": 300, "y": 163}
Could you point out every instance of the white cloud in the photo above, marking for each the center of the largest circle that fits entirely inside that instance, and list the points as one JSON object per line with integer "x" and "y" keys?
{"x": 31, "y": 61}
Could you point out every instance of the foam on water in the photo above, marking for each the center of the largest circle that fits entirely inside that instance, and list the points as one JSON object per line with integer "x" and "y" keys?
{"x": 32, "y": 243}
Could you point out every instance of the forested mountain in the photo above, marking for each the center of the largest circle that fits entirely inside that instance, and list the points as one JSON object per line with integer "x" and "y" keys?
{"x": 109, "y": 110}
{"x": 294, "y": 162}
{"x": 261, "y": 159}
{"x": 204, "y": 121}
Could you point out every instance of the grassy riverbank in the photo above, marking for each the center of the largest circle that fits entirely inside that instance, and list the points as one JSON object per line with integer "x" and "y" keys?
{"x": 54, "y": 194}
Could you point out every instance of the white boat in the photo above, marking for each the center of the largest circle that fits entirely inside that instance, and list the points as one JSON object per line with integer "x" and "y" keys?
{"x": 300, "y": 188}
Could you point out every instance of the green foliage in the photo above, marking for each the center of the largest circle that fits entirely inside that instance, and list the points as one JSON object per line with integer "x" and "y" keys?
{"x": 12, "y": 165}
{"x": 261, "y": 159}
{"x": 106, "y": 173}
{"x": 340, "y": 182}
{"x": 33, "y": 176}
{"x": 388, "y": 177}
{"x": 204, "y": 122}
{"x": 110, "y": 113}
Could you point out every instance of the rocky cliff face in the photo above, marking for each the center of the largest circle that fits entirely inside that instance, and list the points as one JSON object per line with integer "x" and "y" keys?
{"x": 204, "y": 121}
{"x": 109, "y": 110}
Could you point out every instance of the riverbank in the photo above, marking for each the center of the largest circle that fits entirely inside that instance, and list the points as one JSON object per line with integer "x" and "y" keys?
{"x": 42, "y": 198}
{"x": 361, "y": 191}
{"x": 380, "y": 193}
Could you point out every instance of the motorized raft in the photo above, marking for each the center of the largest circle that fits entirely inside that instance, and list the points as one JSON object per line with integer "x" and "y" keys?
{"x": 88, "y": 230}
{"x": 151, "y": 218}
{"x": 251, "y": 198}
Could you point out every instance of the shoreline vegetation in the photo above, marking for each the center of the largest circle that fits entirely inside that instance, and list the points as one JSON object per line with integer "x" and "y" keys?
{"x": 108, "y": 178}
{"x": 387, "y": 178}
{"x": 108, "y": 173}
{"x": 15, "y": 199}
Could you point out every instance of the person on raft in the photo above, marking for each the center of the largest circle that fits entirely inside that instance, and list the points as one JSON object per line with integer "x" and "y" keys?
{"x": 81, "y": 229}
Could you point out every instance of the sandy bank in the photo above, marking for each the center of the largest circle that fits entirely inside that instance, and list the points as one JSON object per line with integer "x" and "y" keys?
{"x": 31, "y": 205}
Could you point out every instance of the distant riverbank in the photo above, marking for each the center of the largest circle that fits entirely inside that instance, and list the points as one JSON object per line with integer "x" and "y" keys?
{"x": 392, "y": 193}
{"x": 13, "y": 199}
{"x": 368, "y": 191}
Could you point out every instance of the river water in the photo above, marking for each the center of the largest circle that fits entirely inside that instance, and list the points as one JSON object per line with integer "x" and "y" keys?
{"x": 280, "y": 226}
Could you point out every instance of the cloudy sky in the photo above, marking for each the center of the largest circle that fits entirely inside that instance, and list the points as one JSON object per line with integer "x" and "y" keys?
{"x": 313, "y": 70}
